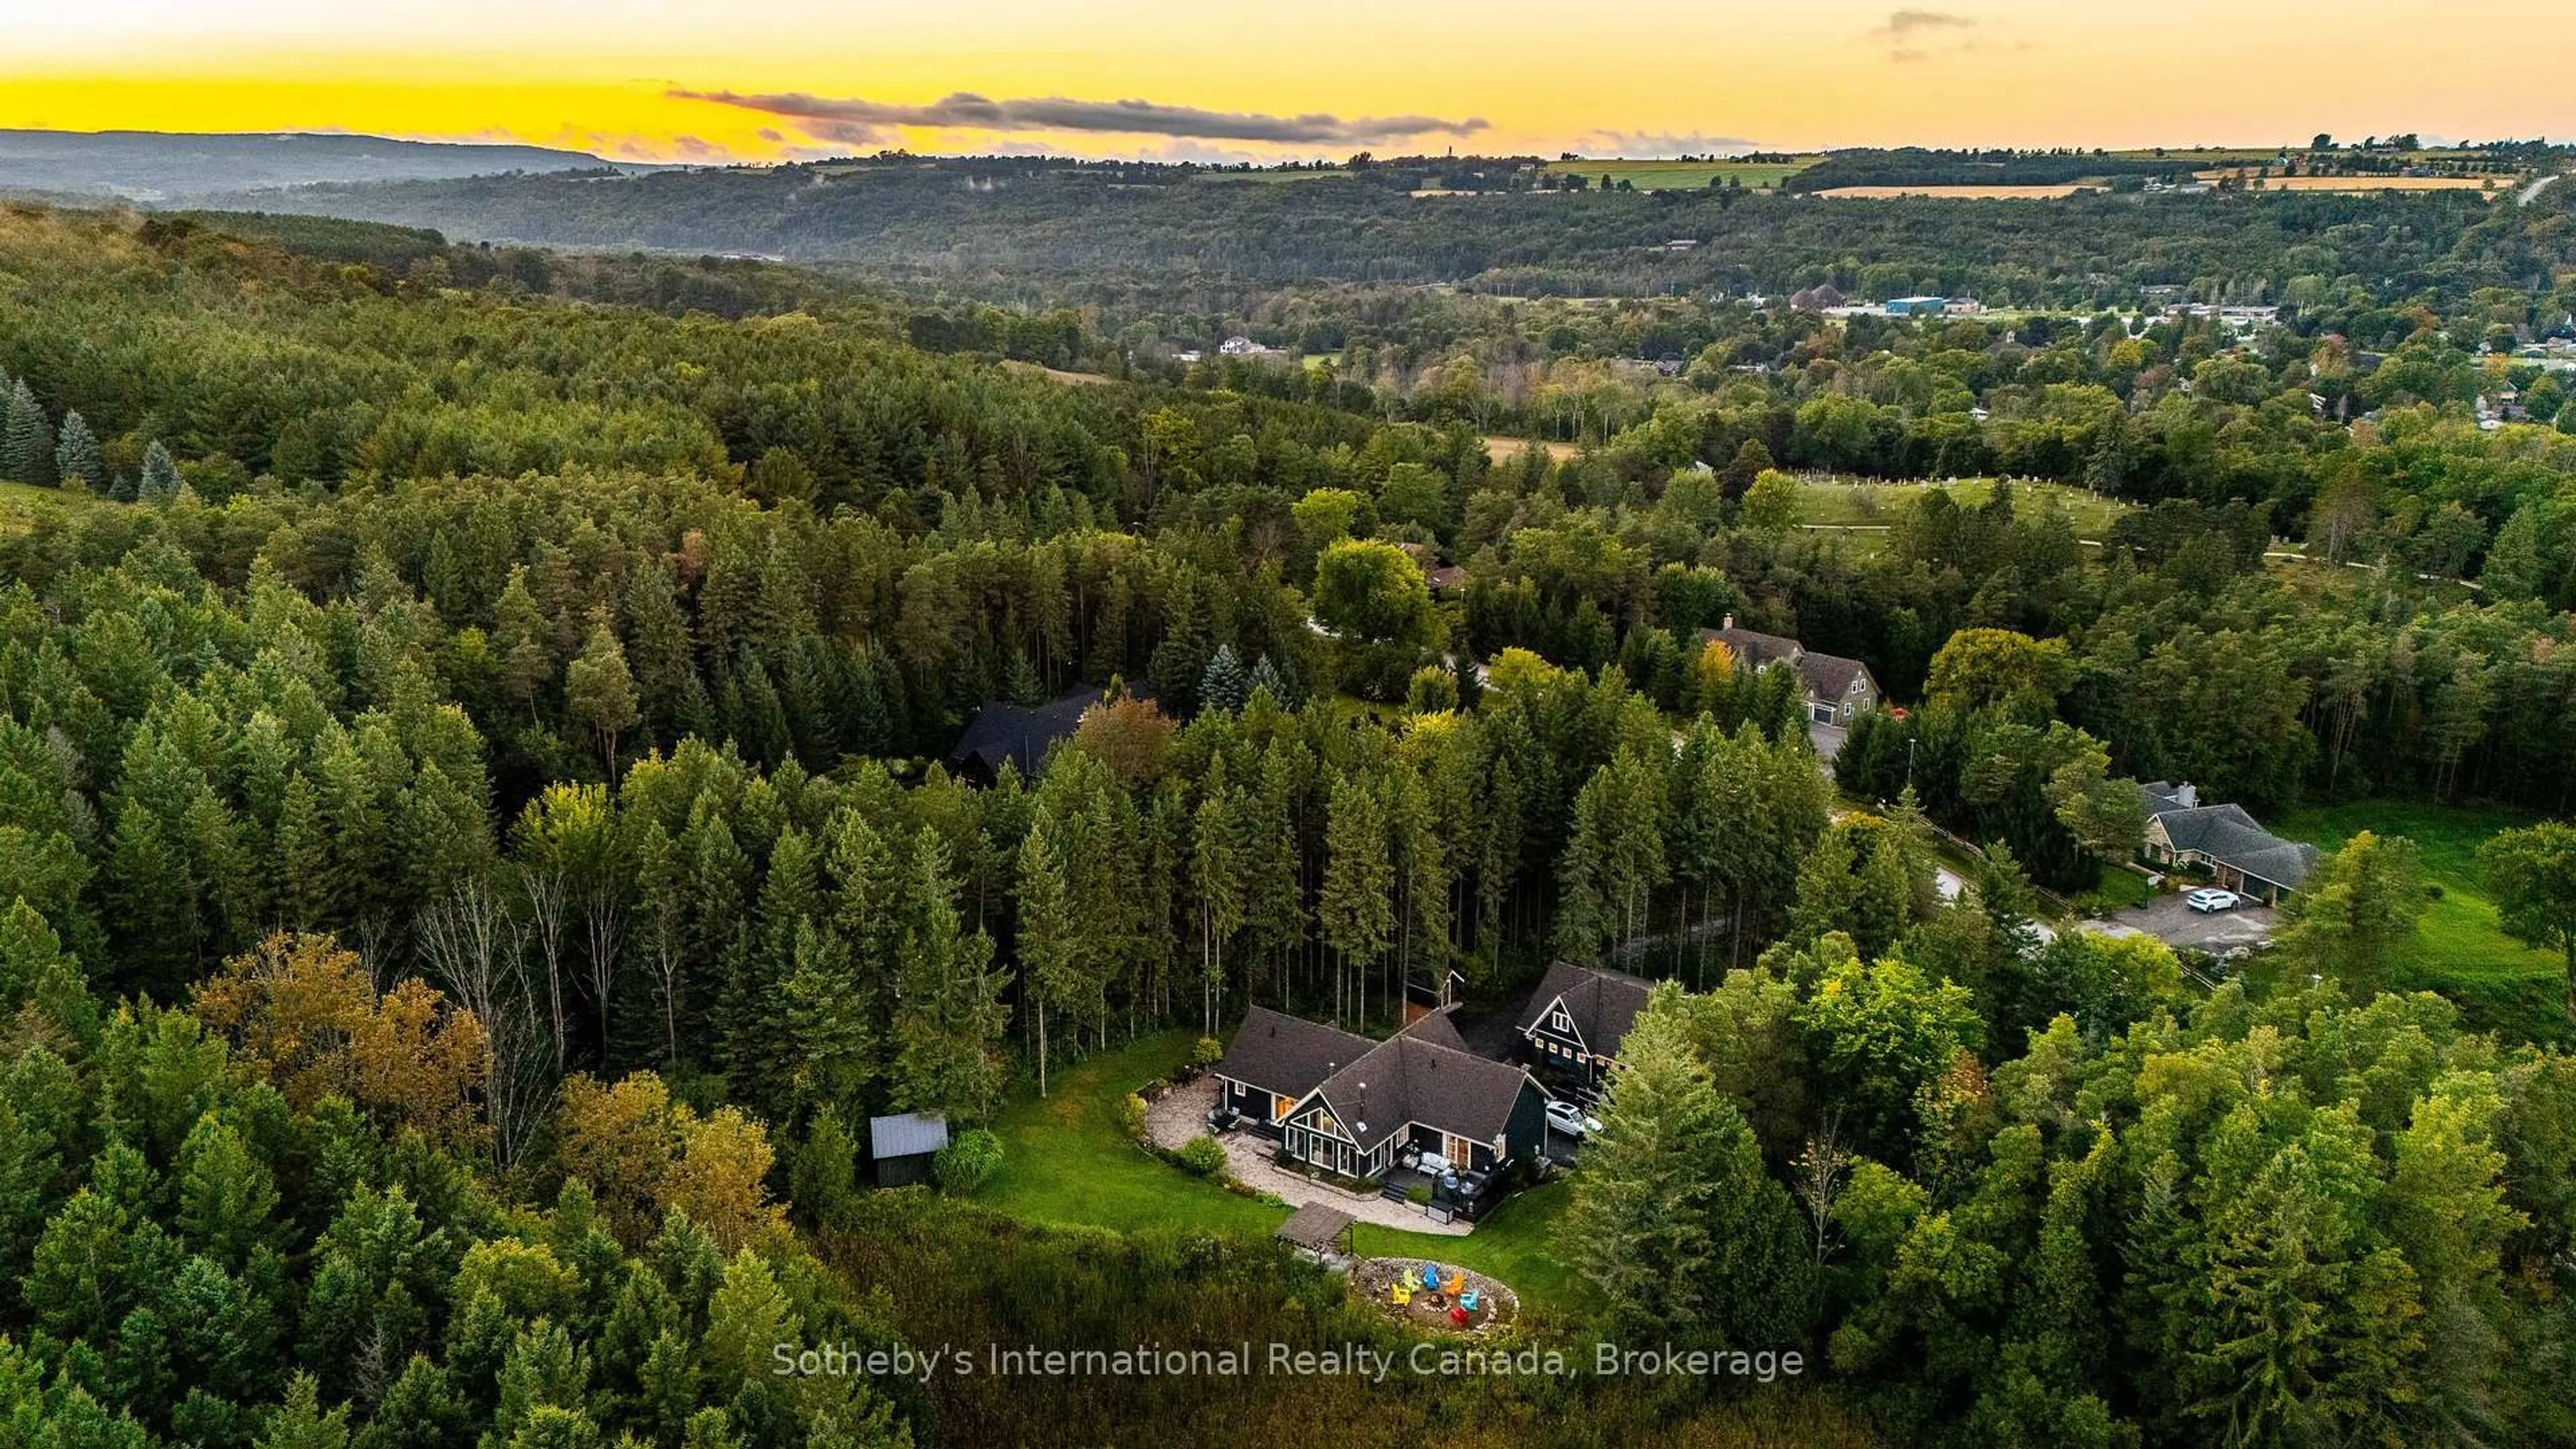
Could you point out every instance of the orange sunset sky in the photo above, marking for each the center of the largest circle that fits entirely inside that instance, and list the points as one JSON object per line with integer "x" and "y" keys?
{"x": 688, "y": 80}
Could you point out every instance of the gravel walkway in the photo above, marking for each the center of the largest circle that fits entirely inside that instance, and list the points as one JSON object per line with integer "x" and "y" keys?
{"x": 1181, "y": 1114}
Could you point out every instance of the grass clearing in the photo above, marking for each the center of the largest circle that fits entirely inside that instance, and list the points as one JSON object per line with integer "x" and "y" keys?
{"x": 1066, "y": 1160}
{"x": 2463, "y": 952}
{"x": 1681, "y": 175}
{"x": 1502, "y": 450}
{"x": 1039, "y": 369}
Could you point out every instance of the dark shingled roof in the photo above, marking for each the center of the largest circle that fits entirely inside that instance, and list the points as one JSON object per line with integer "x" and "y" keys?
{"x": 1439, "y": 1030}
{"x": 1021, "y": 734}
{"x": 1316, "y": 1226}
{"x": 1604, "y": 1004}
{"x": 1406, "y": 1079}
{"x": 1288, "y": 1055}
{"x": 1829, "y": 675}
{"x": 908, "y": 1135}
{"x": 2229, "y": 836}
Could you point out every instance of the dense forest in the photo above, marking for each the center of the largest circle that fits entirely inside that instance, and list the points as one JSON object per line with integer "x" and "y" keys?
{"x": 1184, "y": 237}
{"x": 473, "y": 810}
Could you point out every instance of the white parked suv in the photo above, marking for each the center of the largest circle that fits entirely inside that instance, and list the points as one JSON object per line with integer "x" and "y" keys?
{"x": 2209, "y": 898}
{"x": 1571, "y": 1120}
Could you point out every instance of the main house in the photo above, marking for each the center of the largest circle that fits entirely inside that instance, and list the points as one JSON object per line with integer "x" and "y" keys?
{"x": 1839, "y": 690}
{"x": 1352, "y": 1106}
{"x": 2239, "y": 854}
{"x": 1276, "y": 1060}
{"x": 1577, "y": 1017}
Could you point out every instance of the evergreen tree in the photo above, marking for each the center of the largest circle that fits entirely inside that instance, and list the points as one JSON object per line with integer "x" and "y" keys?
{"x": 76, "y": 454}
{"x": 1225, "y": 685}
{"x": 1673, "y": 1217}
{"x": 1356, "y": 910}
{"x": 160, "y": 475}
{"x": 26, "y": 438}
{"x": 948, "y": 1011}
{"x": 1266, "y": 676}
{"x": 1049, "y": 934}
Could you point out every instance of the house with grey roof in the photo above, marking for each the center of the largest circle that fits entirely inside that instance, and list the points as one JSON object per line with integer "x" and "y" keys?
{"x": 1420, "y": 1089}
{"x": 1839, "y": 690}
{"x": 1277, "y": 1060}
{"x": 2239, "y": 854}
{"x": 1021, "y": 735}
{"x": 1577, "y": 1017}
{"x": 1018, "y": 735}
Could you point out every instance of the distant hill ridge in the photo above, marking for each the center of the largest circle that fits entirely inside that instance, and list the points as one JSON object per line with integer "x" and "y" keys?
{"x": 162, "y": 166}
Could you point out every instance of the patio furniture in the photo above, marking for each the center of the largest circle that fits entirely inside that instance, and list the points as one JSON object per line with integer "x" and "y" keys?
{"x": 1456, "y": 1285}
{"x": 1468, "y": 1299}
{"x": 1458, "y": 1316}
{"x": 1399, "y": 1294}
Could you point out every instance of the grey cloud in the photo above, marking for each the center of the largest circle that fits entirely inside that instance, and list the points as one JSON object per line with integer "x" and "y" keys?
{"x": 861, "y": 121}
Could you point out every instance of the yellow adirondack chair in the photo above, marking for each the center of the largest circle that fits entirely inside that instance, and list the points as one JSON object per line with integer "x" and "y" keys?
{"x": 1399, "y": 1294}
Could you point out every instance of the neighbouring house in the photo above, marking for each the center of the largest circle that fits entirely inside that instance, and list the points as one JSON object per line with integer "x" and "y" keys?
{"x": 1839, "y": 690}
{"x": 1577, "y": 1017}
{"x": 1917, "y": 306}
{"x": 1018, "y": 734}
{"x": 1421, "y": 1090}
{"x": 902, "y": 1148}
{"x": 2239, "y": 854}
{"x": 1276, "y": 1060}
{"x": 1442, "y": 578}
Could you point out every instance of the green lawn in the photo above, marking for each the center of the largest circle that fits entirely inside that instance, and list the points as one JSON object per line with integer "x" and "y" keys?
{"x": 2122, "y": 888}
{"x": 2464, "y": 952}
{"x": 19, "y": 501}
{"x": 1515, "y": 1244}
{"x": 1065, "y": 1159}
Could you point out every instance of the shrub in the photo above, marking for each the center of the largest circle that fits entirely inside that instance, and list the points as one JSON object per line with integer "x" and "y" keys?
{"x": 1131, "y": 1119}
{"x": 968, "y": 1160}
{"x": 1204, "y": 1156}
{"x": 1207, "y": 1052}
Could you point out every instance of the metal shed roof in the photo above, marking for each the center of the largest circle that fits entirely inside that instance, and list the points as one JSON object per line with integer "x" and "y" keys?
{"x": 908, "y": 1135}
